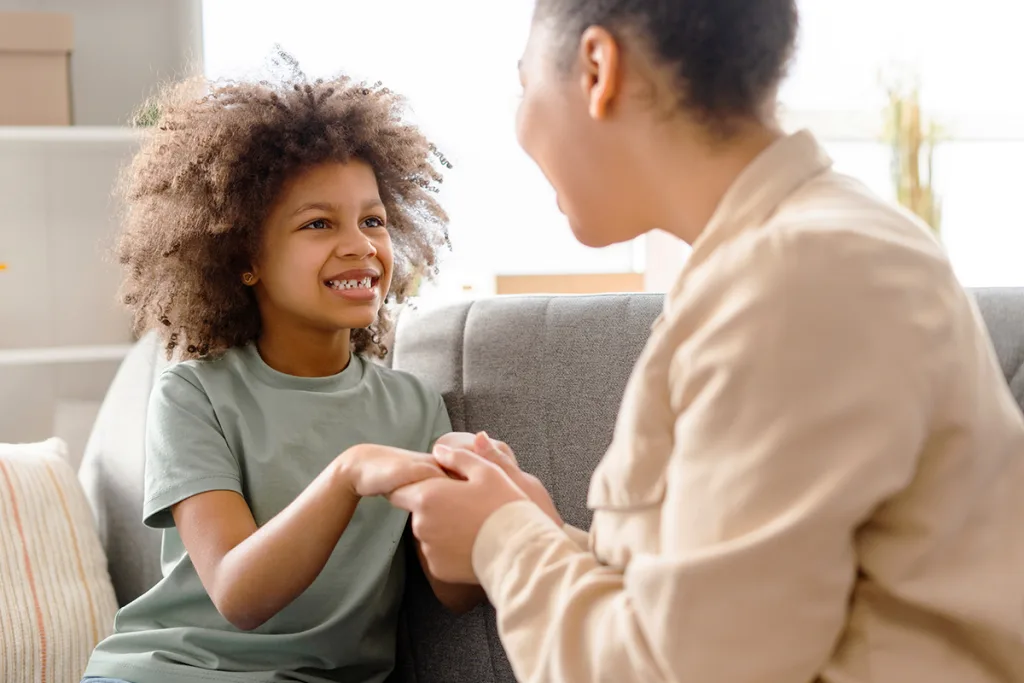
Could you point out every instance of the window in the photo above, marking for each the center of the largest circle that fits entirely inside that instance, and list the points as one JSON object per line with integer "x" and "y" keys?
{"x": 456, "y": 62}
{"x": 968, "y": 63}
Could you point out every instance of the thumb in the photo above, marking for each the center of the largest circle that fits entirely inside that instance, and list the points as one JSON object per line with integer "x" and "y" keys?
{"x": 408, "y": 498}
{"x": 466, "y": 464}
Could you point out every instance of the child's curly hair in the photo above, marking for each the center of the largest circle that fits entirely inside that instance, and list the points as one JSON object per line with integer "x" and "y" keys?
{"x": 197, "y": 192}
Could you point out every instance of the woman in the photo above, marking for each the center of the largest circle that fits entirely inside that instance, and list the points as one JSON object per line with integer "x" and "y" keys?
{"x": 816, "y": 467}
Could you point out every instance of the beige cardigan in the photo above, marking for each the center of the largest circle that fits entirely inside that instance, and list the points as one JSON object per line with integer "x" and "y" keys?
{"x": 817, "y": 472}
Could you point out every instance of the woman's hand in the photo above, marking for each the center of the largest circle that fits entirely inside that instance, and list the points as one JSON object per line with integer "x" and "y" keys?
{"x": 499, "y": 453}
{"x": 457, "y": 440}
{"x": 447, "y": 513}
{"x": 372, "y": 470}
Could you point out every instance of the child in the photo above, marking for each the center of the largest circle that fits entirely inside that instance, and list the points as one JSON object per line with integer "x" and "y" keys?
{"x": 266, "y": 226}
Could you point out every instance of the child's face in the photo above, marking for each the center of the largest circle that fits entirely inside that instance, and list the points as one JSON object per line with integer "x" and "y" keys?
{"x": 326, "y": 260}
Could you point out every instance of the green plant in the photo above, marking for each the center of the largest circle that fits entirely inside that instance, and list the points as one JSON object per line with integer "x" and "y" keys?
{"x": 147, "y": 115}
{"x": 913, "y": 138}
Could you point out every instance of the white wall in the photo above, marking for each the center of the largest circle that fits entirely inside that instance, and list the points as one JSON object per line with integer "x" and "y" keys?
{"x": 123, "y": 49}
{"x": 58, "y": 221}
{"x": 58, "y": 218}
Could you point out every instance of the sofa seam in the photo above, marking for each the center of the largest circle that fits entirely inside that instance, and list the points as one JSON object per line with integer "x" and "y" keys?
{"x": 461, "y": 380}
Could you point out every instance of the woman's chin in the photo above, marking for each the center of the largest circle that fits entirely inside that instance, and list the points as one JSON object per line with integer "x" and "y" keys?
{"x": 590, "y": 234}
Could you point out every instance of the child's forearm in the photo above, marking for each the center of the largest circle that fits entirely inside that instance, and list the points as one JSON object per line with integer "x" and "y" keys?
{"x": 272, "y": 565}
{"x": 456, "y": 597}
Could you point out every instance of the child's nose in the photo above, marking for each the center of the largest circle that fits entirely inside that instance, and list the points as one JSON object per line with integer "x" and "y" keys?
{"x": 355, "y": 244}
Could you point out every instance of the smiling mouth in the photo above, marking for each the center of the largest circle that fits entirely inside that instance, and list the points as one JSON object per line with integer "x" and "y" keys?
{"x": 358, "y": 283}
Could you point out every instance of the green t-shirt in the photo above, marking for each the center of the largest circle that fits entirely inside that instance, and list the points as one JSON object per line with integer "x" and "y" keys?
{"x": 236, "y": 424}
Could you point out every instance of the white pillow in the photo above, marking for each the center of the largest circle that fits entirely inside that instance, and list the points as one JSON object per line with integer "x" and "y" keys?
{"x": 56, "y": 599}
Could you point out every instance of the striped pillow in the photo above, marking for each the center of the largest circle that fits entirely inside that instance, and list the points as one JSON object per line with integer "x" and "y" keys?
{"x": 56, "y": 599}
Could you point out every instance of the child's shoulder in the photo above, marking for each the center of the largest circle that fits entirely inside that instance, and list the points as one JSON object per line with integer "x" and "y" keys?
{"x": 402, "y": 383}
{"x": 201, "y": 373}
{"x": 409, "y": 398}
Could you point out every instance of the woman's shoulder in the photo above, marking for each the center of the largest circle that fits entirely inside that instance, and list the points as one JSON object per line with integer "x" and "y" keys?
{"x": 834, "y": 211}
{"x": 832, "y": 255}
{"x": 833, "y": 237}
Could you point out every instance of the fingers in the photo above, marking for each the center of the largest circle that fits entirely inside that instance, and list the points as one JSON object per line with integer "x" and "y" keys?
{"x": 466, "y": 464}
{"x": 417, "y": 467}
{"x": 420, "y": 471}
{"x": 410, "y": 497}
{"x": 386, "y": 469}
{"x": 504, "y": 448}
{"x": 423, "y": 459}
{"x": 404, "y": 498}
{"x": 497, "y": 452}
{"x": 456, "y": 440}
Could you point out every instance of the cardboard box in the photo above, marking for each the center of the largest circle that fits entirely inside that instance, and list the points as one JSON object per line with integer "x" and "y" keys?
{"x": 35, "y": 82}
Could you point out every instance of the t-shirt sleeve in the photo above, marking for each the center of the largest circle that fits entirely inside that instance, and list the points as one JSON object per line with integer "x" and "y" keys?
{"x": 186, "y": 453}
{"x": 442, "y": 423}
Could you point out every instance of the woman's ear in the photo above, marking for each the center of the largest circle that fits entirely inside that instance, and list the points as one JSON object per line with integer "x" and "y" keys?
{"x": 250, "y": 278}
{"x": 600, "y": 70}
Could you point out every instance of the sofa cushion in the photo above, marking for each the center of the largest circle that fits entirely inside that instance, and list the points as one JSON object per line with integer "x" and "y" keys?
{"x": 56, "y": 599}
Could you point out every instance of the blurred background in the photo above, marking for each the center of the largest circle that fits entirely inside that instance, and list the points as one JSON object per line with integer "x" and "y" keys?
{"x": 921, "y": 100}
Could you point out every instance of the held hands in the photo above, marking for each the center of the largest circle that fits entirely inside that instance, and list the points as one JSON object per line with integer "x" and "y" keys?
{"x": 498, "y": 453}
{"x": 447, "y": 514}
{"x": 376, "y": 470}
{"x": 372, "y": 470}
{"x": 450, "y": 493}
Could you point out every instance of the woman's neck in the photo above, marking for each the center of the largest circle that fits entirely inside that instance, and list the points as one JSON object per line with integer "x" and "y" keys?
{"x": 305, "y": 353}
{"x": 689, "y": 177}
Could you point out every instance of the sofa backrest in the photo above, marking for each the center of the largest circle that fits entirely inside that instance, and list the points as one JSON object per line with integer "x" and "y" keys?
{"x": 543, "y": 373}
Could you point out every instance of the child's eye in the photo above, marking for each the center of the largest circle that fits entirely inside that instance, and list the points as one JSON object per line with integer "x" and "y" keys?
{"x": 318, "y": 224}
{"x": 373, "y": 222}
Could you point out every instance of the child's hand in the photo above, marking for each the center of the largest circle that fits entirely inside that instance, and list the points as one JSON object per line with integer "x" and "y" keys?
{"x": 499, "y": 453}
{"x": 372, "y": 470}
{"x": 472, "y": 442}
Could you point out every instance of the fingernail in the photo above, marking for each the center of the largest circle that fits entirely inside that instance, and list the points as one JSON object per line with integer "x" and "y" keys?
{"x": 484, "y": 434}
{"x": 441, "y": 449}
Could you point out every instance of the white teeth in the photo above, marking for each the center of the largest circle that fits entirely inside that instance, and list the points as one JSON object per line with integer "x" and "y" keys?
{"x": 365, "y": 283}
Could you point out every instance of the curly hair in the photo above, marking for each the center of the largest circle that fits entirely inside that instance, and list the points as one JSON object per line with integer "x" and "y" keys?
{"x": 197, "y": 192}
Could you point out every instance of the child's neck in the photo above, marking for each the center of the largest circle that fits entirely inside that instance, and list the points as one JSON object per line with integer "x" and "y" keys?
{"x": 306, "y": 353}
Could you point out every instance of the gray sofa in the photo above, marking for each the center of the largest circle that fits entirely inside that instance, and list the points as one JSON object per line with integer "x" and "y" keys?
{"x": 543, "y": 373}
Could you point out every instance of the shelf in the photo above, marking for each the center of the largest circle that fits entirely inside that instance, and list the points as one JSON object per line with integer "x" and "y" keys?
{"x": 68, "y": 134}
{"x": 58, "y": 355}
